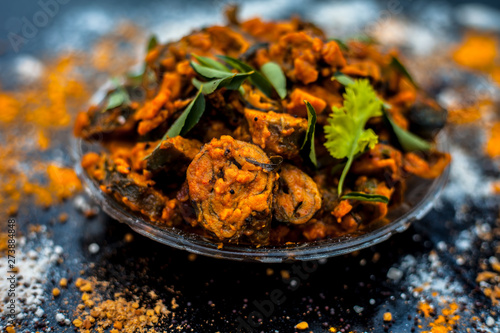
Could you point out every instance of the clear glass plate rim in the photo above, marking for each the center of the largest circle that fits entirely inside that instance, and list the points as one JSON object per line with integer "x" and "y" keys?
{"x": 308, "y": 251}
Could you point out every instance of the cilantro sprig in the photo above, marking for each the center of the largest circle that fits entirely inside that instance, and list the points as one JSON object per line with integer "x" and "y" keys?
{"x": 345, "y": 133}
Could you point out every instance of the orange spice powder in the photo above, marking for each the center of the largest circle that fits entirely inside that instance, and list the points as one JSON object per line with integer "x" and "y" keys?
{"x": 477, "y": 51}
{"x": 36, "y": 112}
{"x": 493, "y": 145}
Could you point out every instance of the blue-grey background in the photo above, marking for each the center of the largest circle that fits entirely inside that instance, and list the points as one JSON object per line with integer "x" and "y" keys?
{"x": 75, "y": 22}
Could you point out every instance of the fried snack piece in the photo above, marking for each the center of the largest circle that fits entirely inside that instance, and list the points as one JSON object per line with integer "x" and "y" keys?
{"x": 372, "y": 211}
{"x": 97, "y": 122}
{"x": 102, "y": 120}
{"x": 297, "y": 197}
{"x": 433, "y": 168}
{"x": 382, "y": 160}
{"x": 231, "y": 194}
{"x": 276, "y": 133}
{"x": 130, "y": 188}
{"x": 176, "y": 151}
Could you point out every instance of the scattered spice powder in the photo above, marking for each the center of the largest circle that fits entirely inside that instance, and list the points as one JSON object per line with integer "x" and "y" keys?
{"x": 464, "y": 115}
{"x": 303, "y": 325}
{"x": 63, "y": 282}
{"x": 496, "y": 187}
{"x": 493, "y": 145}
{"x": 445, "y": 322}
{"x": 42, "y": 108}
{"x": 63, "y": 183}
{"x": 489, "y": 278}
{"x": 96, "y": 313}
{"x": 477, "y": 51}
{"x": 426, "y": 309}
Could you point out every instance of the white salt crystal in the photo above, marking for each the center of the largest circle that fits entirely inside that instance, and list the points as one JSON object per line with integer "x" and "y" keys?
{"x": 394, "y": 274}
{"x": 94, "y": 248}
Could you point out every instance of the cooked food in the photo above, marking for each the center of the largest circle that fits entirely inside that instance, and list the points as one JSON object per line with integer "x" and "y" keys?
{"x": 297, "y": 197}
{"x": 264, "y": 133}
{"x": 231, "y": 191}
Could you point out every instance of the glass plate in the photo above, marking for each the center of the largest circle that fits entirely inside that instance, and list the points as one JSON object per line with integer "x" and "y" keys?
{"x": 419, "y": 199}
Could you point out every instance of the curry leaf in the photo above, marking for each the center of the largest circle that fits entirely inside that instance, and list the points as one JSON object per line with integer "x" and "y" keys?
{"x": 365, "y": 197}
{"x": 308, "y": 144}
{"x": 189, "y": 117}
{"x": 343, "y": 79}
{"x": 136, "y": 78}
{"x": 399, "y": 67}
{"x": 118, "y": 97}
{"x": 232, "y": 83}
{"x": 273, "y": 72}
{"x": 186, "y": 121}
{"x": 257, "y": 79}
{"x": 210, "y": 73}
{"x": 340, "y": 43}
{"x": 211, "y": 63}
{"x": 345, "y": 133}
{"x": 407, "y": 140}
{"x": 152, "y": 43}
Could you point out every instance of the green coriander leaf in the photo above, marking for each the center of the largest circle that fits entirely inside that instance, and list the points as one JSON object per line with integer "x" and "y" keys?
{"x": 345, "y": 132}
{"x": 273, "y": 72}
{"x": 399, "y": 67}
{"x": 365, "y": 197}
{"x": 407, "y": 140}
{"x": 347, "y": 80}
{"x": 308, "y": 144}
{"x": 343, "y": 79}
{"x": 257, "y": 79}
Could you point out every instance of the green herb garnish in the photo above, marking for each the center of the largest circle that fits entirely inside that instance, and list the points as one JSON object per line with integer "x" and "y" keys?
{"x": 345, "y": 133}
{"x": 210, "y": 73}
{"x": 340, "y": 43}
{"x": 229, "y": 80}
{"x": 407, "y": 140}
{"x": 257, "y": 79}
{"x": 211, "y": 63}
{"x": 118, "y": 97}
{"x": 399, "y": 67}
{"x": 137, "y": 78}
{"x": 186, "y": 121}
{"x": 308, "y": 144}
{"x": 273, "y": 72}
{"x": 232, "y": 82}
{"x": 189, "y": 117}
{"x": 343, "y": 79}
{"x": 365, "y": 197}
{"x": 152, "y": 43}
